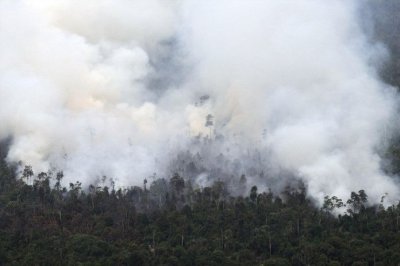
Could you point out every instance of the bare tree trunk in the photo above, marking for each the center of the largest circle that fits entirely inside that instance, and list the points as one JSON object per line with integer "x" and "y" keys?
{"x": 298, "y": 226}
{"x": 154, "y": 240}
{"x": 222, "y": 239}
{"x": 270, "y": 244}
{"x": 91, "y": 197}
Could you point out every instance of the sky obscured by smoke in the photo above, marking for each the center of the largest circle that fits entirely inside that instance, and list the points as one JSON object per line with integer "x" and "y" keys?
{"x": 113, "y": 88}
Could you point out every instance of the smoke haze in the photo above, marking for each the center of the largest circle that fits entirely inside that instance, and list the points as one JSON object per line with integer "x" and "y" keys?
{"x": 122, "y": 89}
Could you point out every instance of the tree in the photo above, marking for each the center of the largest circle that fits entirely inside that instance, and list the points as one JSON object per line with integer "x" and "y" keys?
{"x": 177, "y": 183}
{"x": 357, "y": 201}
{"x": 331, "y": 203}
{"x": 209, "y": 123}
{"x": 27, "y": 173}
{"x": 253, "y": 194}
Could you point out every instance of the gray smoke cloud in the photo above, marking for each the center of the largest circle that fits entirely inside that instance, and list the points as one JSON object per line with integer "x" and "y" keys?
{"x": 122, "y": 89}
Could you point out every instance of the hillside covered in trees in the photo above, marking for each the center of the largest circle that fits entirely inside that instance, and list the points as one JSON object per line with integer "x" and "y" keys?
{"x": 115, "y": 86}
{"x": 167, "y": 222}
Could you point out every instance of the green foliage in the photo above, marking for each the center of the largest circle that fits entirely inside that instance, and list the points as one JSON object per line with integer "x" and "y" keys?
{"x": 173, "y": 224}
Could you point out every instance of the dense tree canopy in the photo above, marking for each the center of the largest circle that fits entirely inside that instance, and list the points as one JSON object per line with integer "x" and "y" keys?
{"x": 170, "y": 223}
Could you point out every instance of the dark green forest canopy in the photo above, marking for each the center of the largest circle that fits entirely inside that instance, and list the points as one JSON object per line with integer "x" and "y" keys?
{"x": 167, "y": 222}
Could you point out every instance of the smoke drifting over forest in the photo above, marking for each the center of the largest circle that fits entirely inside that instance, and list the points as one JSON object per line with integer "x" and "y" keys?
{"x": 123, "y": 89}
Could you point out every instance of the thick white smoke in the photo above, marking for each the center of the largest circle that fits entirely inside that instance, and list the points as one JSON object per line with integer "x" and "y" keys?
{"x": 291, "y": 81}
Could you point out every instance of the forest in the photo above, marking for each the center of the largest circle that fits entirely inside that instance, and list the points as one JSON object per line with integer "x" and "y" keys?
{"x": 212, "y": 208}
{"x": 168, "y": 222}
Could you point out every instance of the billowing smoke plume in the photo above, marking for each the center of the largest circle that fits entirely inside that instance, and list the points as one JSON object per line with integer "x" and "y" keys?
{"x": 277, "y": 90}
